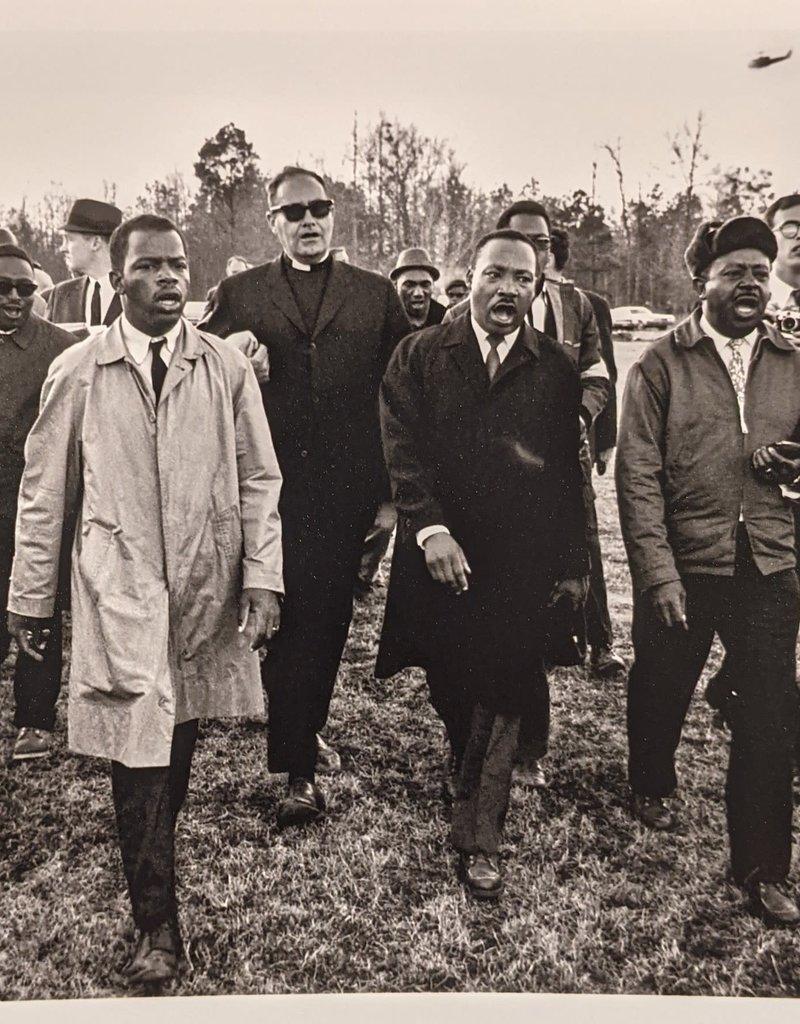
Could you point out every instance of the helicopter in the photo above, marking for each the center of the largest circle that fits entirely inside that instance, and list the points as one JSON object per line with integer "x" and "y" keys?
{"x": 763, "y": 61}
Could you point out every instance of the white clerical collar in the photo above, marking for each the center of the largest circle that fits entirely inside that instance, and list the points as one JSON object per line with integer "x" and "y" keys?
{"x": 722, "y": 339}
{"x": 138, "y": 343}
{"x": 304, "y": 266}
{"x": 781, "y": 292}
{"x": 482, "y": 335}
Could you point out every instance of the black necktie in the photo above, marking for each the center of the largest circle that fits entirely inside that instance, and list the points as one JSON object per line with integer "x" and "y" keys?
{"x": 95, "y": 310}
{"x": 493, "y": 359}
{"x": 158, "y": 368}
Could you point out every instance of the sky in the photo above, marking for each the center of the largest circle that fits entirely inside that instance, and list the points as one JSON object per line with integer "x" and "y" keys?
{"x": 519, "y": 89}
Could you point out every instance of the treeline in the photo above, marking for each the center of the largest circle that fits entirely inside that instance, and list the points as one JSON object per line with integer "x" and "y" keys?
{"x": 405, "y": 188}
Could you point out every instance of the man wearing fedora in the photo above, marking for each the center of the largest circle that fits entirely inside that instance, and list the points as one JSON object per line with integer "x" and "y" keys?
{"x": 413, "y": 275}
{"x": 710, "y": 544}
{"x": 88, "y": 297}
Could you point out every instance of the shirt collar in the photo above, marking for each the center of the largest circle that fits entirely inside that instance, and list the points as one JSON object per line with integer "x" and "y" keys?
{"x": 721, "y": 339}
{"x": 780, "y": 291}
{"x": 304, "y": 266}
{"x": 482, "y": 335}
{"x": 138, "y": 343}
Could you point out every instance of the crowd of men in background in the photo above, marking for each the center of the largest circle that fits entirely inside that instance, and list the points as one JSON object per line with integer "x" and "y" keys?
{"x": 220, "y": 489}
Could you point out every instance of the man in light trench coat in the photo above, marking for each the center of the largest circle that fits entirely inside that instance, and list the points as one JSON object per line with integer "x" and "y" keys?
{"x": 152, "y": 437}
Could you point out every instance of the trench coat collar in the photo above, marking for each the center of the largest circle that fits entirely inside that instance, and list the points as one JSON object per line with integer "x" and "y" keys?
{"x": 689, "y": 332}
{"x": 111, "y": 346}
{"x": 465, "y": 350}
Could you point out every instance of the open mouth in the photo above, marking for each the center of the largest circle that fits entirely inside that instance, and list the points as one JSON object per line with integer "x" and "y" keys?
{"x": 746, "y": 305}
{"x": 504, "y": 312}
{"x": 12, "y": 312}
{"x": 169, "y": 298}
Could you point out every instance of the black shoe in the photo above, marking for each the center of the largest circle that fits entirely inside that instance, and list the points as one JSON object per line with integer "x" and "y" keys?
{"x": 606, "y": 663}
{"x": 480, "y": 872}
{"x": 302, "y": 804}
{"x": 769, "y": 902}
{"x": 155, "y": 959}
{"x": 652, "y": 811}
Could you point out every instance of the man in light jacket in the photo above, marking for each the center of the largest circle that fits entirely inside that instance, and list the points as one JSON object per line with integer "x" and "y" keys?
{"x": 152, "y": 437}
{"x": 711, "y": 549}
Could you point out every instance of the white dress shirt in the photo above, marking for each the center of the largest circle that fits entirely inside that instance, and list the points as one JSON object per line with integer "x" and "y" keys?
{"x": 780, "y": 292}
{"x": 106, "y": 295}
{"x": 503, "y": 348}
{"x": 538, "y": 311}
{"x": 726, "y": 354}
{"x": 138, "y": 345}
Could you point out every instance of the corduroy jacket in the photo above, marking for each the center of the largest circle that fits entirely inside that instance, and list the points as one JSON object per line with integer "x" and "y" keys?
{"x": 683, "y": 461}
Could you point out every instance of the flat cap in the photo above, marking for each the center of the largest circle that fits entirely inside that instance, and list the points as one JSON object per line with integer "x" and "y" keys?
{"x": 714, "y": 238}
{"x": 414, "y": 259}
{"x": 91, "y": 217}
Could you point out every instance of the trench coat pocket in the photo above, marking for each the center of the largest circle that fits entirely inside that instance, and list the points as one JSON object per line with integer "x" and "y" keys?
{"x": 228, "y": 531}
{"x": 96, "y": 557}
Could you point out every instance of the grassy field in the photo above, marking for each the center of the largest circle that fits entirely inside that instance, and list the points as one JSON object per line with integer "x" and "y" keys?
{"x": 368, "y": 900}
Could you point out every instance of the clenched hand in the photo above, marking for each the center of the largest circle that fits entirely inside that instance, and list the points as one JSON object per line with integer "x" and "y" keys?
{"x": 259, "y": 615}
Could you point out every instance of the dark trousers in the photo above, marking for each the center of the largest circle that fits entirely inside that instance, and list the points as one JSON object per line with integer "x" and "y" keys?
{"x": 300, "y": 669}
{"x": 147, "y": 802}
{"x": 36, "y": 683}
{"x": 597, "y": 620}
{"x": 484, "y": 781}
{"x": 756, "y": 618}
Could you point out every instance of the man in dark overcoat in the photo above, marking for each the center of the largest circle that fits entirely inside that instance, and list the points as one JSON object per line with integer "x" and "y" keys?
{"x": 322, "y": 332}
{"x": 480, "y": 431}
{"x": 28, "y": 345}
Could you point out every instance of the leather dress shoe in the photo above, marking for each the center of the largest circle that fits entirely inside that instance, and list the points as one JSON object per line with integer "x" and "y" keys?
{"x": 302, "y": 804}
{"x": 530, "y": 774}
{"x": 606, "y": 663}
{"x": 480, "y": 872}
{"x": 328, "y": 760}
{"x": 770, "y": 902}
{"x": 155, "y": 959}
{"x": 652, "y": 811}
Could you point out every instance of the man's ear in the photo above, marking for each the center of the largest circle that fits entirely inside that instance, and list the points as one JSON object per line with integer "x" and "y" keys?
{"x": 271, "y": 222}
{"x": 700, "y": 286}
{"x": 468, "y": 276}
{"x": 116, "y": 282}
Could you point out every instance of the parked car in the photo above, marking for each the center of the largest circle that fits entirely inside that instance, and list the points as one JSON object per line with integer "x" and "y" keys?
{"x": 639, "y": 318}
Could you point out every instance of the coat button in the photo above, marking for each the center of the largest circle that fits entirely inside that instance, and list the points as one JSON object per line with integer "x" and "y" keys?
{"x": 152, "y": 417}
{"x": 162, "y": 702}
{"x": 304, "y": 453}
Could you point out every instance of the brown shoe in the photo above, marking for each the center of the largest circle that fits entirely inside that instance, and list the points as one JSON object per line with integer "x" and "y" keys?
{"x": 328, "y": 760}
{"x": 480, "y": 872}
{"x": 31, "y": 744}
{"x": 155, "y": 959}
{"x": 652, "y": 811}
{"x": 531, "y": 775}
{"x": 772, "y": 904}
{"x": 302, "y": 804}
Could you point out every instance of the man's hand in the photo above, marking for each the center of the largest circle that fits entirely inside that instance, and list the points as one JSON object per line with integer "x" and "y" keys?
{"x": 446, "y": 562}
{"x": 573, "y": 591}
{"x": 669, "y": 603}
{"x": 30, "y": 634}
{"x": 245, "y": 341}
{"x": 777, "y": 463}
{"x": 259, "y": 615}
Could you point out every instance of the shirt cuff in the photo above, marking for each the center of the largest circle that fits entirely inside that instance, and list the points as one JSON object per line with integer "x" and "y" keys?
{"x": 429, "y": 531}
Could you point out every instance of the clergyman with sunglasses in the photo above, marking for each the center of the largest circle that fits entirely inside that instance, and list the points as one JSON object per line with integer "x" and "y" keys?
{"x": 321, "y": 332}
{"x": 28, "y": 344}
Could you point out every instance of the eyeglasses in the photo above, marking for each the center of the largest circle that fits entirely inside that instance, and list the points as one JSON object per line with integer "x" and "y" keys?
{"x": 789, "y": 228}
{"x": 294, "y": 212}
{"x": 23, "y": 288}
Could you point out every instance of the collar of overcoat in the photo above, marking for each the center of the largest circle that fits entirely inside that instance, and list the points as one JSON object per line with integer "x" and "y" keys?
{"x": 278, "y": 291}
{"x": 463, "y": 346}
{"x": 688, "y": 332}
{"x": 110, "y": 348}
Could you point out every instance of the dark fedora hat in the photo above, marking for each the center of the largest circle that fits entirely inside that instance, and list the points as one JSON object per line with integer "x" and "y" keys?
{"x": 91, "y": 217}
{"x": 714, "y": 238}
{"x": 414, "y": 259}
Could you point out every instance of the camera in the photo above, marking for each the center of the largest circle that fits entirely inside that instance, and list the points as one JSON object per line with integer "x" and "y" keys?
{"x": 788, "y": 321}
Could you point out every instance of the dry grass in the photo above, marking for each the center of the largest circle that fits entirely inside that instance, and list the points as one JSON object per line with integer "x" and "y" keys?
{"x": 368, "y": 900}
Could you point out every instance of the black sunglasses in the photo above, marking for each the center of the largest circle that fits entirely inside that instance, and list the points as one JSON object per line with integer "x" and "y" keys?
{"x": 24, "y": 288}
{"x": 294, "y": 212}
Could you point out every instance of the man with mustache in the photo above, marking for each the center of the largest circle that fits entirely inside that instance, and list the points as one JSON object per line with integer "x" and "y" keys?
{"x": 711, "y": 549}
{"x": 321, "y": 332}
{"x": 480, "y": 430}
{"x": 28, "y": 345}
{"x": 153, "y": 437}
{"x": 89, "y": 296}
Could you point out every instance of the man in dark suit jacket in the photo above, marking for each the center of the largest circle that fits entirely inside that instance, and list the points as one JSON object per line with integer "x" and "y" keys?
{"x": 326, "y": 329}
{"x": 28, "y": 345}
{"x": 480, "y": 430}
{"x": 595, "y": 627}
{"x": 90, "y": 297}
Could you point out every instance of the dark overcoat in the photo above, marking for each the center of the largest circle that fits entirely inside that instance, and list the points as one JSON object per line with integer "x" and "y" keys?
{"x": 66, "y": 302}
{"x": 497, "y": 464}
